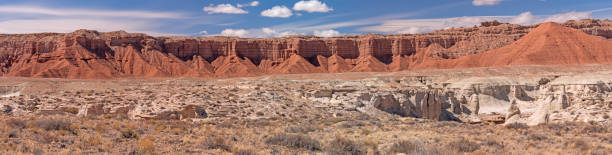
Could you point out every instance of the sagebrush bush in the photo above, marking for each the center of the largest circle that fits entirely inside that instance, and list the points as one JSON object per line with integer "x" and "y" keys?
{"x": 463, "y": 145}
{"x": 54, "y": 124}
{"x": 408, "y": 147}
{"x": 345, "y": 146}
{"x": 217, "y": 143}
{"x": 295, "y": 141}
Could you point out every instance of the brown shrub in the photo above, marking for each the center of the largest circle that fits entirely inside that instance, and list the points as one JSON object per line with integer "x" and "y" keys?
{"x": 16, "y": 123}
{"x": 345, "y": 146}
{"x": 129, "y": 133}
{"x": 463, "y": 145}
{"x": 409, "y": 147}
{"x": 55, "y": 124}
{"x": 517, "y": 126}
{"x": 217, "y": 143}
{"x": 146, "y": 145}
{"x": 295, "y": 141}
{"x": 245, "y": 152}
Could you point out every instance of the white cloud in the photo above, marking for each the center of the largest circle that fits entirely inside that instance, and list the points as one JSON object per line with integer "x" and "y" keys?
{"x": 278, "y": 12}
{"x": 203, "y": 32}
{"x": 485, "y": 2}
{"x": 235, "y": 32}
{"x": 311, "y": 6}
{"x": 525, "y": 18}
{"x": 268, "y": 32}
{"x": 224, "y": 9}
{"x": 560, "y": 18}
{"x": 427, "y": 25}
{"x": 254, "y": 3}
{"x": 70, "y": 25}
{"x": 12, "y": 9}
{"x": 256, "y": 33}
{"x": 326, "y": 33}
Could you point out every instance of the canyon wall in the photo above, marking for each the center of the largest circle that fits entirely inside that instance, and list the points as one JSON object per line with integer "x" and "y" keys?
{"x": 119, "y": 54}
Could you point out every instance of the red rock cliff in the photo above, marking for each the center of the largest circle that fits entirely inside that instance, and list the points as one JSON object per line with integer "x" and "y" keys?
{"x": 91, "y": 54}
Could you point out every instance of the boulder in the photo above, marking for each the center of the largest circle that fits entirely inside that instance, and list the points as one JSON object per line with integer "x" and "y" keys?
{"x": 473, "y": 105}
{"x": 513, "y": 114}
{"x": 431, "y": 107}
{"x": 389, "y": 104}
{"x": 323, "y": 93}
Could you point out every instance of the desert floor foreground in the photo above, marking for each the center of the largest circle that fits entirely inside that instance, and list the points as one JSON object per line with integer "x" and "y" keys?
{"x": 347, "y": 113}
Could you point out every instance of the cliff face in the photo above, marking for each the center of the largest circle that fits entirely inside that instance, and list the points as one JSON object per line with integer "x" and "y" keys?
{"x": 91, "y": 54}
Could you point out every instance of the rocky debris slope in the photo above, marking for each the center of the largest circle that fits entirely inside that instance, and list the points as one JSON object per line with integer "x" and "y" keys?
{"x": 91, "y": 54}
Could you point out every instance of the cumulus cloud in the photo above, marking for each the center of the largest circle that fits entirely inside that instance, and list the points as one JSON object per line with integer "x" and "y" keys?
{"x": 428, "y": 25}
{"x": 485, "y": 2}
{"x": 278, "y": 12}
{"x": 224, "y": 9}
{"x": 268, "y": 32}
{"x": 203, "y": 32}
{"x": 14, "y": 9}
{"x": 235, "y": 32}
{"x": 559, "y": 18}
{"x": 254, "y": 3}
{"x": 525, "y": 18}
{"x": 311, "y": 6}
{"x": 256, "y": 33}
{"x": 326, "y": 33}
{"x": 70, "y": 25}
{"x": 36, "y": 19}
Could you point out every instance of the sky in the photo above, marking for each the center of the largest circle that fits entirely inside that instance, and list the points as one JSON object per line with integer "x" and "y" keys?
{"x": 277, "y": 18}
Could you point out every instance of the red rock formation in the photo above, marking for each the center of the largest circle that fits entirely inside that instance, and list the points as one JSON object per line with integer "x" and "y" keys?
{"x": 548, "y": 44}
{"x": 91, "y": 54}
{"x": 295, "y": 64}
{"x": 369, "y": 64}
{"x": 337, "y": 64}
{"x": 233, "y": 66}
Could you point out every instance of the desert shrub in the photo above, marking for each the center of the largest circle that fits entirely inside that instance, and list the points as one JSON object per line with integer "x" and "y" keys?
{"x": 16, "y": 123}
{"x": 295, "y": 141}
{"x": 409, "y": 147}
{"x": 492, "y": 143}
{"x": 600, "y": 151}
{"x": 350, "y": 124}
{"x": 594, "y": 129}
{"x": 346, "y": 146}
{"x": 245, "y": 152}
{"x": 543, "y": 81}
{"x": 13, "y": 134}
{"x": 54, "y": 124}
{"x": 93, "y": 141}
{"x": 537, "y": 137}
{"x": 129, "y": 133}
{"x": 446, "y": 124}
{"x": 517, "y": 126}
{"x": 217, "y": 143}
{"x": 579, "y": 144}
{"x": 463, "y": 145}
{"x": 304, "y": 128}
{"x": 146, "y": 145}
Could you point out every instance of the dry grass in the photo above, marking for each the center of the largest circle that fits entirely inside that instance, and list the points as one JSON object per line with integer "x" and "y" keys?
{"x": 463, "y": 145}
{"x": 294, "y": 141}
{"x": 72, "y": 135}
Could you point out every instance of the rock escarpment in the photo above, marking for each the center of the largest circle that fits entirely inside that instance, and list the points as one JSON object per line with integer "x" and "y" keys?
{"x": 91, "y": 54}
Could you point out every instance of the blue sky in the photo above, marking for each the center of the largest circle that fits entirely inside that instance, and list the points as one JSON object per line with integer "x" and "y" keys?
{"x": 276, "y": 18}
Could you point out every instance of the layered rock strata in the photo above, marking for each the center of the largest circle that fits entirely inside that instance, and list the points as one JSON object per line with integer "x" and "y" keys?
{"x": 91, "y": 54}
